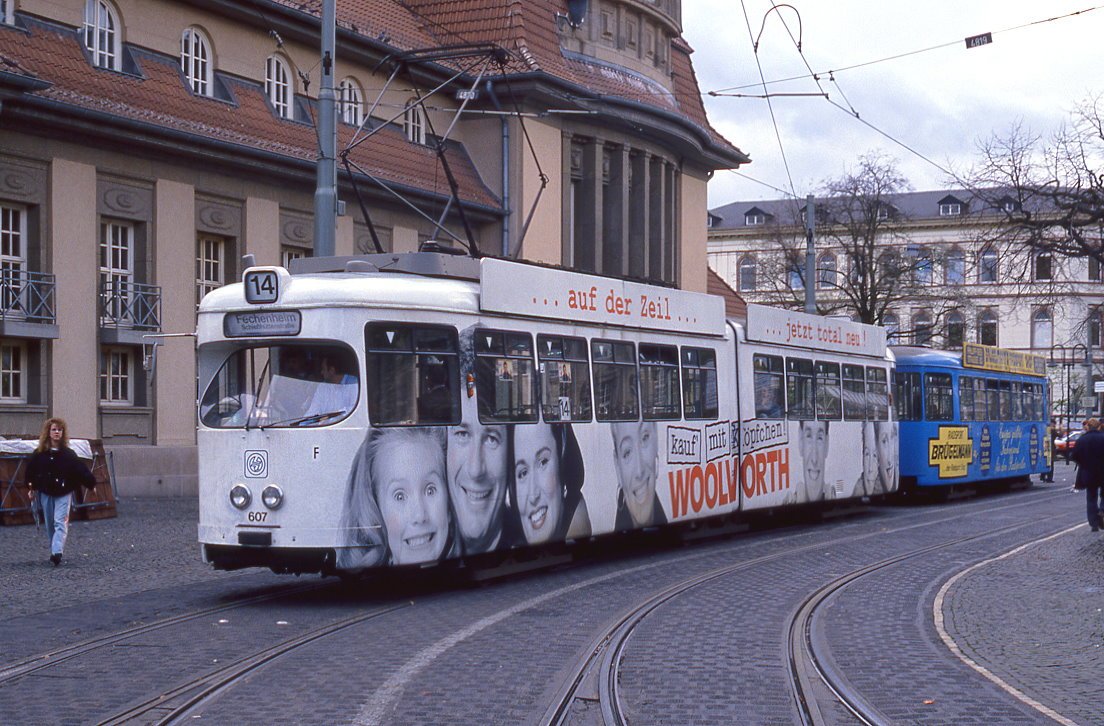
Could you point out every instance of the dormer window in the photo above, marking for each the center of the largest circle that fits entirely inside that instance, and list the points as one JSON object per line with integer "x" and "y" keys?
{"x": 102, "y": 34}
{"x": 755, "y": 217}
{"x": 950, "y": 206}
{"x": 1010, "y": 205}
{"x": 414, "y": 122}
{"x": 350, "y": 102}
{"x": 195, "y": 61}
{"x": 278, "y": 85}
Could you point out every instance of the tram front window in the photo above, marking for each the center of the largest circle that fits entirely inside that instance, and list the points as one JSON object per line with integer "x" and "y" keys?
{"x": 282, "y": 386}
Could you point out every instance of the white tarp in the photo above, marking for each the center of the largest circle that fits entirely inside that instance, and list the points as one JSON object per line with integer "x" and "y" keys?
{"x": 26, "y": 447}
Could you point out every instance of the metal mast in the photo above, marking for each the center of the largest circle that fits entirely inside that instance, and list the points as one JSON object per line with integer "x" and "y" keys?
{"x": 325, "y": 193}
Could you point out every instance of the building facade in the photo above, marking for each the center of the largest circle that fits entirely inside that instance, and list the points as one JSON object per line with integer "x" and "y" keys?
{"x": 960, "y": 277}
{"x": 146, "y": 146}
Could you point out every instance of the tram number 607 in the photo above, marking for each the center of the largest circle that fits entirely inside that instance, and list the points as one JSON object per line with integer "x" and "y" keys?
{"x": 261, "y": 287}
{"x": 257, "y": 516}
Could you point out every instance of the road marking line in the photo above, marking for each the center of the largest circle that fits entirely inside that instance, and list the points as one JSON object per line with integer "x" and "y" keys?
{"x": 953, "y": 646}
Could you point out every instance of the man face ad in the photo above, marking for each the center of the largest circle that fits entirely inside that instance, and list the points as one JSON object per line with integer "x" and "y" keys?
{"x": 813, "y": 443}
{"x": 477, "y": 470}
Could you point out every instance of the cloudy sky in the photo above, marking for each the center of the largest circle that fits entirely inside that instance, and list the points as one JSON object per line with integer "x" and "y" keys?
{"x": 939, "y": 102}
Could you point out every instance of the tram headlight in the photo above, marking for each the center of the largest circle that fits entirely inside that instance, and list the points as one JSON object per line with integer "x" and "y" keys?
{"x": 272, "y": 496}
{"x": 240, "y": 496}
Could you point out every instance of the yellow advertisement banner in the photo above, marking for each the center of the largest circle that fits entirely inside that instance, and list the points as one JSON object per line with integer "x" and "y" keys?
{"x": 990, "y": 358}
{"x": 952, "y": 451}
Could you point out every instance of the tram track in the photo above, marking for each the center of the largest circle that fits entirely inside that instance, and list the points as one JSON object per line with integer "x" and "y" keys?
{"x": 57, "y": 656}
{"x": 187, "y": 697}
{"x": 811, "y": 674}
{"x": 595, "y": 678}
{"x": 183, "y": 699}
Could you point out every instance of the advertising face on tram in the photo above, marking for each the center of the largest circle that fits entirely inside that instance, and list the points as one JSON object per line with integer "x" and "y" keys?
{"x": 478, "y": 468}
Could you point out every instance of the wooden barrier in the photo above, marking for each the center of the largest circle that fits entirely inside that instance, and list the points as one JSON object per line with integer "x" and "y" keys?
{"x": 15, "y": 495}
{"x": 88, "y": 504}
{"x": 97, "y": 503}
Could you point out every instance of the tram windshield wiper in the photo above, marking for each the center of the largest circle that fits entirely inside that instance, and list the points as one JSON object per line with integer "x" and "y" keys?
{"x": 300, "y": 420}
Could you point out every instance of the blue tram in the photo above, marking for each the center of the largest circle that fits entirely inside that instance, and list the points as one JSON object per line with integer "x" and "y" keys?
{"x": 979, "y": 416}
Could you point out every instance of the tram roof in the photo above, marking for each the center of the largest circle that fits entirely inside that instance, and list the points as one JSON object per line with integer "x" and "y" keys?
{"x": 908, "y": 354}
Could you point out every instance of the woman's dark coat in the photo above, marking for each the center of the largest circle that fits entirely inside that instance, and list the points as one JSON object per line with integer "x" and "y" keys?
{"x": 1088, "y": 452}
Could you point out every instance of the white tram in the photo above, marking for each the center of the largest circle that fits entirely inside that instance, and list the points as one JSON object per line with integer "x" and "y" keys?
{"x": 407, "y": 409}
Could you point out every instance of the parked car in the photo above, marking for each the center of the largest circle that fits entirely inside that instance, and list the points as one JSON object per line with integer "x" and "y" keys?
{"x": 1064, "y": 445}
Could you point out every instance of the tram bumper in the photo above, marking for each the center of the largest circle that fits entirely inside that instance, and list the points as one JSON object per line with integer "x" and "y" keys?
{"x": 281, "y": 560}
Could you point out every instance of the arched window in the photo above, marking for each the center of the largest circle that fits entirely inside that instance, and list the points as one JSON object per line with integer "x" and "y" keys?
{"x": 278, "y": 85}
{"x": 922, "y": 329}
{"x": 793, "y": 276}
{"x": 955, "y": 268}
{"x": 350, "y": 102}
{"x": 987, "y": 266}
{"x": 747, "y": 273}
{"x": 892, "y": 326}
{"x": 1043, "y": 267}
{"x": 826, "y": 271}
{"x": 1042, "y": 329}
{"x": 102, "y": 34}
{"x": 954, "y": 330}
{"x": 414, "y": 122}
{"x": 195, "y": 61}
{"x": 987, "y": 327}
{"x": 923, "y": 269}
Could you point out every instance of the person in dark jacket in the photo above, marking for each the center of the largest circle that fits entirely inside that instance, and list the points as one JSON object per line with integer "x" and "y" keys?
{"x": 54, "y": 473}
{"x": 1088, "y": 452}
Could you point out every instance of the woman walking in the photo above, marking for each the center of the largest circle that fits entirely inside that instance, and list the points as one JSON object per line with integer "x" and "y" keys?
{"x": 54, "y": 473}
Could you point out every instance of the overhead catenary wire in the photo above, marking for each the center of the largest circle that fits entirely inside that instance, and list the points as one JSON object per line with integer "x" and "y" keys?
{"x": 770, "y": 106}
{"x": 897, "y": 56}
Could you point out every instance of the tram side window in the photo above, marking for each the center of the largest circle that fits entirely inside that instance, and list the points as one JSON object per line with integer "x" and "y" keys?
{"x": 799, "y": 388}
{"x": 659, "y": 382}
{"x": 770, "y": 399}
{"x": 565, "y": 378}
{"x": 413, "y": 374}
{"x": 827, "y": 391}
{"x": 854, "y": 393}
{"x": 966, "y": 398}
{"x": 505, "y": 380}
{"x": 614, "y": 380}
{"x": 1007, "y": 413}
{"x": 938, "y": 397}
{"x": 1035, "y": 396}
{"x": 907, "y": 398}
{"x": 1020, "y": 403}
{"x": 877, "y": 394}
{"x": 699, "y": 383}
{"x": 993, "y": 399}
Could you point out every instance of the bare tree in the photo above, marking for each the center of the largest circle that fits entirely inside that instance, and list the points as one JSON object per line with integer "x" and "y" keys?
{"x": 868, "y": 266}
{"x": 1051, "y": 191}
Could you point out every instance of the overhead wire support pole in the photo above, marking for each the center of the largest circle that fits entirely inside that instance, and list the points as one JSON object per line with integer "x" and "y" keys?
{"x": 325, "y": 193}
{"x": 810, "y": 255}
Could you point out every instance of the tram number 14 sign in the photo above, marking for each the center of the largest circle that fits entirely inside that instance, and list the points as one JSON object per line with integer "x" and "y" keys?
{"x": 262, "y": 287}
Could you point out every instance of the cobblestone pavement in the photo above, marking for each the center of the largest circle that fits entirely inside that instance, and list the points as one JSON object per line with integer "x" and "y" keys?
{"x": 498, "y": 653}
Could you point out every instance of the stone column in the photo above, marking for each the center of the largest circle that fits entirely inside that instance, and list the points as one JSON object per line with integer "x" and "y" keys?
{"x": 174, "y": 271}
{"x": 74, "y": 243}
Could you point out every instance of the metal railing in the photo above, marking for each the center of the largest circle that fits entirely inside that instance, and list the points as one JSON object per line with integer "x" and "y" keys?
{"x": 125, "y": 304}
{"x": 27, "y": 296}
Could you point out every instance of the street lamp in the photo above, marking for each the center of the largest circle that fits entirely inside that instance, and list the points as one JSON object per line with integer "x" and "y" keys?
{"x": 1067, "y": 357}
